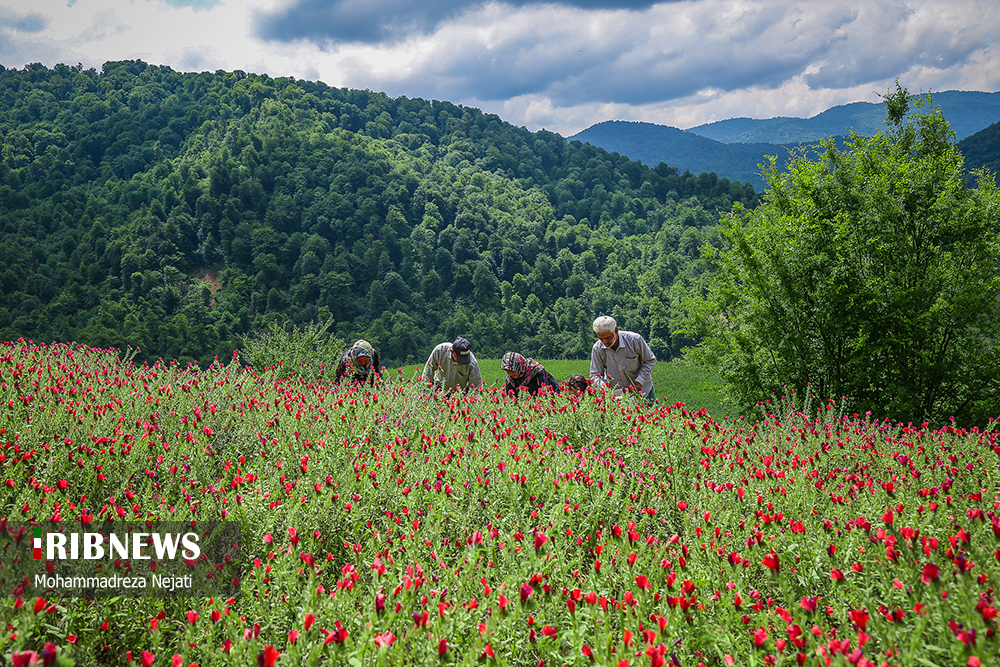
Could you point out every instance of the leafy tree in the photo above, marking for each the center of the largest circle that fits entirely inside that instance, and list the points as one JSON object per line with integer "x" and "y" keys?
{"x": 869, "y": 273}
{"x": 286, "y": 349}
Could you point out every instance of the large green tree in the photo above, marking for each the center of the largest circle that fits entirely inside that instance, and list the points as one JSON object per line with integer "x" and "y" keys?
{"x": 868, "y": 273}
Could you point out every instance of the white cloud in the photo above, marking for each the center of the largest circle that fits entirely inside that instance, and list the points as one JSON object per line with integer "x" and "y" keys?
{"x": 560, "y": 67}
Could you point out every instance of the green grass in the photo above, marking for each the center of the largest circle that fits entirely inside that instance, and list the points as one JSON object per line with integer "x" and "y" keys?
{"x": 672, "y": 380}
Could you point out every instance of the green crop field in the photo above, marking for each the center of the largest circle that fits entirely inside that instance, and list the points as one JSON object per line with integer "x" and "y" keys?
{"x": 382, "y": 525}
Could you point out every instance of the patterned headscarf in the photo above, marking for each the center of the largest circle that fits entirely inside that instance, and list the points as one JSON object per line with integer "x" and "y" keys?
{"x": 525, "y": 367}
{"x": 361, "y": 348}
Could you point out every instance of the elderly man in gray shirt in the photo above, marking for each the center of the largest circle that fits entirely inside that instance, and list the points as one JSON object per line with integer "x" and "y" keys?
{"x": 621, "y": 359}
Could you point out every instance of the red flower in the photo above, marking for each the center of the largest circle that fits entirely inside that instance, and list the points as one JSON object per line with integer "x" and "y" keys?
{"x": 931, "y": 572}
{"x": 759, "y": 636}
{"x": 587, "y": 652}
{"x": 859, "y": 617}
{"x": 293, "y": 636}
{"x": 192, "y": 616}
{"x": 642, "y": 581}
{"x": 339, "y": 634}
{"x": 384, "y": 639}
{"x": 268, "y": 656}
{"x": 148, "y": 658}
{"x": 771, "y": 562}
{"x": 310, "y": 619}
{"x": 24, "y": 659}
{"x": 526, "y": 591}
{"x": 442, "y": 647}
{"x": 549, "y": 631}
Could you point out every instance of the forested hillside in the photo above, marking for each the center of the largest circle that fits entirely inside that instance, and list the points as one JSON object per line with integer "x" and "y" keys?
{"x": 172, "y": 212}
{"x": 982, "y": 149}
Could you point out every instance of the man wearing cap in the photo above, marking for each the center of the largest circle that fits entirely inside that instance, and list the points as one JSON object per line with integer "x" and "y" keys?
{"x": 621, "y": 359}
{"x": 452, "y": 366}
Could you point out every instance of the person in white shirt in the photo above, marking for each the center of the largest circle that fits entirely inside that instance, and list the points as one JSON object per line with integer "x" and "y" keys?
{"x": 452, "y": 366}
{"x": 621, "y": 359}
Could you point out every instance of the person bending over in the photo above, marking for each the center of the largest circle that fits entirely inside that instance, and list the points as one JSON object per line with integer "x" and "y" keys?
{"x": 358, "y": 363}
{"x": 525, "y": 372}
{"x": 577, "y": 385}
{"x": 621, "y": 360}
{"x": 453, "y": 366}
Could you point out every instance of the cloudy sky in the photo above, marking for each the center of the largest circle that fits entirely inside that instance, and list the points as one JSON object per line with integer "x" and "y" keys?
{"x": 560, "y": 65}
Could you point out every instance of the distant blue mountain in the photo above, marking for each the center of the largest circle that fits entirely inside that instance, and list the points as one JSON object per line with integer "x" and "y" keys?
{"x": 734, "y": 148}
{"x": 652, "y": 144}
{"x": 967, "y": 111}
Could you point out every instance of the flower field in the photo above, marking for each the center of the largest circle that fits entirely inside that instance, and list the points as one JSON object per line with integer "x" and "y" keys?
{"x": 388, "y": 525}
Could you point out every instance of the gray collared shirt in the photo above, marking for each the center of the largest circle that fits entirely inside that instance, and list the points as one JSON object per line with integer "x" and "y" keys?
{"x": 443, "y": 371}
{"x": 622, "y": 366}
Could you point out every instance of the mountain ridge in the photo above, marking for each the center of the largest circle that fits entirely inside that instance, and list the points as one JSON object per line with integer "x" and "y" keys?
{"x": 967, "y": 111}
{"x": 734, "y": 148}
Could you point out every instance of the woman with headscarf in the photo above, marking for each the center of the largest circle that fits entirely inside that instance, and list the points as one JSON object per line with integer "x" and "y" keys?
{"x": 525, "y": 372}
{"x": 358, "y": 363}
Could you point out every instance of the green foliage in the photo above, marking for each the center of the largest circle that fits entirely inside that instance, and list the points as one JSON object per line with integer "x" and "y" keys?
{"x": 310, "y": 352}
{"x": 177, "y": 212}
{"x": 869, "y": 274}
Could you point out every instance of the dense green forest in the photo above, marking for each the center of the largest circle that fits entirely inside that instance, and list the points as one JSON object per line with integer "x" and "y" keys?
{"x": 173, "y": 212}
{"x": 982, "y": 149}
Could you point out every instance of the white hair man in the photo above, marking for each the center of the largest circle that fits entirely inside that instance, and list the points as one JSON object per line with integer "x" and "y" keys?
{"x": 621, "y": 360}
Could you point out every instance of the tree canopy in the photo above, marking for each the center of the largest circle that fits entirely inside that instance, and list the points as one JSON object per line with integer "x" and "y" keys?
{"x": 868, "y": 273}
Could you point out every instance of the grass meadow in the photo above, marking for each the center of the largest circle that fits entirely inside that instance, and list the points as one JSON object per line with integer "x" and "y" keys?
{"x": 673, "y": 381}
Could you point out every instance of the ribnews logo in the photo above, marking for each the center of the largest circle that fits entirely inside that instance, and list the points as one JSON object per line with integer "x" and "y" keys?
{"x": 94, "y": 546}
{"x": 121, "y": 558}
